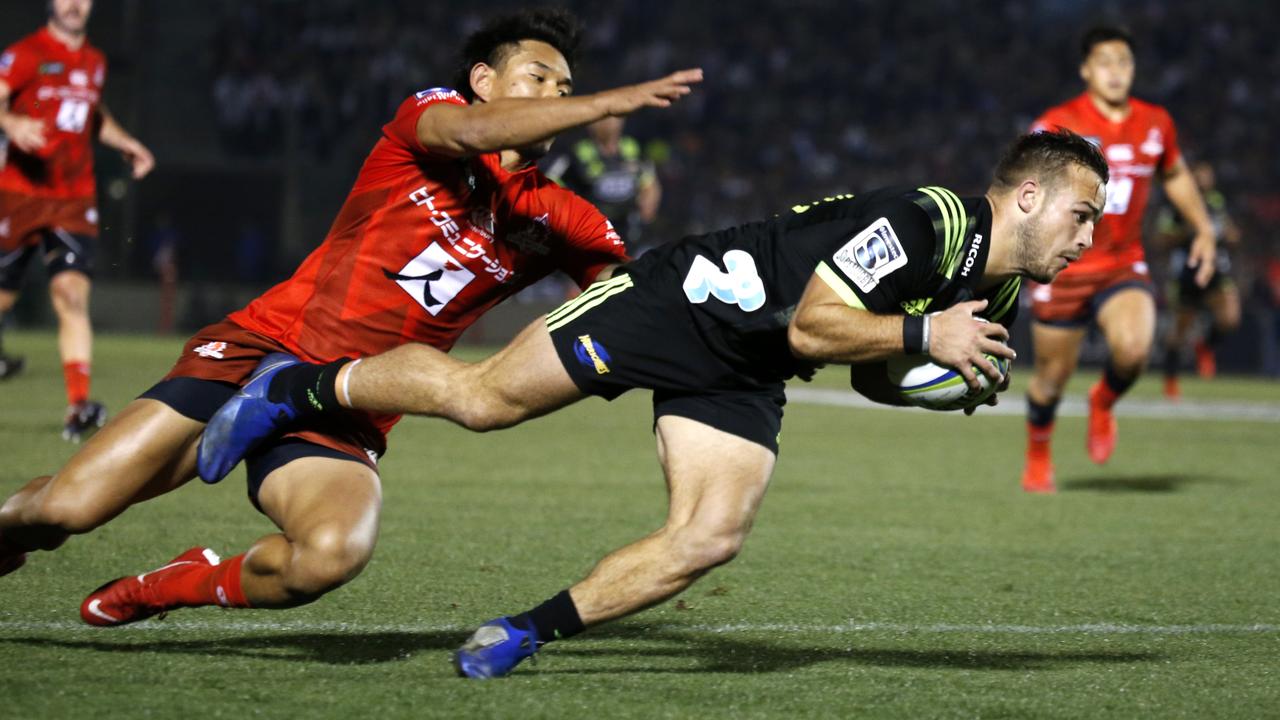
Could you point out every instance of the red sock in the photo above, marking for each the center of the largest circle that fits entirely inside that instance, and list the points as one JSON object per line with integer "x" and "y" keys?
{"x": 202, "y": 585}
{"x": 76, "y": 375}
{"x": 223, "y": 584}
{"x": 1038, "y": 437}
{"x": 1103, "y": 395}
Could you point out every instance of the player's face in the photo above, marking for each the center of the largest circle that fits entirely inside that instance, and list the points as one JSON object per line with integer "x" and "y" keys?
{"x": 1108, "y": 71}
{"x": 534, "y": 70}
{"x": 71, "y": 16}
{"x": 1061, "y": 228}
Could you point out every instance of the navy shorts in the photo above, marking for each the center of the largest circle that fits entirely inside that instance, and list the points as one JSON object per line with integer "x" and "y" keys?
{"x": 199, "y": 399}
{"x": 619, "y": 335}
{"x": 60, "y": 250}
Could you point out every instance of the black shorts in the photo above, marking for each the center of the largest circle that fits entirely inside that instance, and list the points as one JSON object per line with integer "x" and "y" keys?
{"x": 1185, "y": 292}
{"x": 618, "y": 335}
{"x": 60, "y": 250}
{"x": 199, "y": 399}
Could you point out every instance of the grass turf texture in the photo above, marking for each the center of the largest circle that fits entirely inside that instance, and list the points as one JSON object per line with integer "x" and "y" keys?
{"x": 896, "y": 570}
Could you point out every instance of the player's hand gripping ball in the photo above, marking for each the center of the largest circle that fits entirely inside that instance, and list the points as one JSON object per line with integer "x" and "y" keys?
{"x": 926, "y": 384}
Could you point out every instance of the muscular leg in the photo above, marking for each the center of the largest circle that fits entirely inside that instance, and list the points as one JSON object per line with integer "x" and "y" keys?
{"x": 69, "y": 291}
{"x": 1128, "y": 322}
{"x": 716, "y": 482}
{"x": 522, "y": 381}
{"x": 1057, "y": 350}
{"x": 327, "y": 511}
{"x": 146, "y": 450}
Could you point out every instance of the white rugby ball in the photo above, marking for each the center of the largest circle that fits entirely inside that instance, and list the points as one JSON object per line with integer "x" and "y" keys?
{"x": 926, "y": 384}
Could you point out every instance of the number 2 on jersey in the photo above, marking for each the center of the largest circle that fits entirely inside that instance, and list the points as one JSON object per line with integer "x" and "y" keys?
{"x": 740, "y": 286}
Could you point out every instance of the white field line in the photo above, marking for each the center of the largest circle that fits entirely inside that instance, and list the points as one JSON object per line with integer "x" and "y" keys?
{"x": 1072, "y": 406}
{"x": 846, "y": 628}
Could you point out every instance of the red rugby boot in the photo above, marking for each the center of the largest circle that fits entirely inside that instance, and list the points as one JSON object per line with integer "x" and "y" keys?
{"x": 1172, "y": 391}
{"x": 138, "y": 597}
{"x": 1206, "y": 363}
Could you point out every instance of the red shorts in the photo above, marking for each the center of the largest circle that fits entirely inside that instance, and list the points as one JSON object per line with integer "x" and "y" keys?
{"x": 1073, "y": 299}
{"x": 225, "y": 352}
{"x": 23, "y": 216}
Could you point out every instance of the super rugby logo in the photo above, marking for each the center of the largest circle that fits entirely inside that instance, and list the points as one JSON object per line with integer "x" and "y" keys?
{"x": 432, "y": 279}
{"x": 871, "y": 255}
{"x": 591, "y": 354}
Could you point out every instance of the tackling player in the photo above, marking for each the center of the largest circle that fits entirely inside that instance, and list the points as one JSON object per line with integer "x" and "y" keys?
{"x": 1111, "y": 285}
{"x": 715, "y": 325}
{"x": 51, "y": 110}
{"x": 1188, "y": 299}
{"x": 448, "y": 216}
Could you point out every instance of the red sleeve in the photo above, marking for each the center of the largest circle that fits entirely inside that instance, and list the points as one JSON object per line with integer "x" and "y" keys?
{"x": 590, "y": 244}
{"x": 17, "y": 67}
{"x": 1172, "y": 153}
{"x": 403, "y": 128}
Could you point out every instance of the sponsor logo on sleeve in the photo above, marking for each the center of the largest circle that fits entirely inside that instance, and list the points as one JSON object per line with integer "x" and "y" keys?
{"x": 436, "y": 93}
{"x": 213, "y": 350}
{"x": 871, "y": 255}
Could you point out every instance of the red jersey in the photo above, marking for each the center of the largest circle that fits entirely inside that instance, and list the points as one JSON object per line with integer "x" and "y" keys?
{"x": 62, "y": 87}
{"x": 424, "y": 245}
{"x": 1136, "y": 148}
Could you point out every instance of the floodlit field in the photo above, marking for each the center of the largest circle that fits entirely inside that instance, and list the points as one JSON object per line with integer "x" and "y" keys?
{"x": 896, "y": 570}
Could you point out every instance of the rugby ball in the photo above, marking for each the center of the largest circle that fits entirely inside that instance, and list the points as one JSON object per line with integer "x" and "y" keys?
{"x": 923, "y": 383}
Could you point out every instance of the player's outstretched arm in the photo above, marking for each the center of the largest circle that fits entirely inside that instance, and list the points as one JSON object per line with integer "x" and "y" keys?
{"x": 113, "y": 135}
{"x": 1181, "y": 188}
{"x": 512, "y": 123}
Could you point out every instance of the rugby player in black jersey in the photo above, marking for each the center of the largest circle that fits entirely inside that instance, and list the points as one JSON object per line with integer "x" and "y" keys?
{"x": 714, "y": 325}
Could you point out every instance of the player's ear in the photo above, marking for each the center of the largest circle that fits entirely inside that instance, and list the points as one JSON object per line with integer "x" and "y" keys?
{"x": 482, "y": 81}
{"x": 1029, "y": 194}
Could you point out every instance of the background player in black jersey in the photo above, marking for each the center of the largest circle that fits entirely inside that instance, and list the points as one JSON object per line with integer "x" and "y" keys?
{"x": 714, "y": 325}
{"x": 1188, "y": 299}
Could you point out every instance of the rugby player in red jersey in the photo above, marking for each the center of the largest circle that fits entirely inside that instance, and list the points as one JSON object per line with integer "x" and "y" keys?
{"x": 51, "y": 110}
{"x": 1110, "y": 284}
{"x": 448, "y": 216}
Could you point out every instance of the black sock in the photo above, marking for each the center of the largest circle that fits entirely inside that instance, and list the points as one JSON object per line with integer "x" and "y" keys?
{"x": 1118, "y": 385}
{"x": 1172, "y": 362}
{"x": 1041, "y": 416}
{"x": 308, "y": 388}
{"x": 555, "y": 619}
{"x": 1214, "y": 337}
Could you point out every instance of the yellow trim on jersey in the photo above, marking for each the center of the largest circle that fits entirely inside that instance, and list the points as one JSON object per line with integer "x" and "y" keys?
{"x": 955, "y": 222}
{"x": 837, "y": 284}
{"x": 1005, "y": 299}
{"x": 595, "y": 295}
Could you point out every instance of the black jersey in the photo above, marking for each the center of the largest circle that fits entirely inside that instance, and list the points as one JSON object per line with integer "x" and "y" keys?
{"x": 897, "y": 251}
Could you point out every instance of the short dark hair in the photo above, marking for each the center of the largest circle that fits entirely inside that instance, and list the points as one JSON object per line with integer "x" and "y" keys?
{"x": 493, "y": 43}
{"x": 1047, "y": 155}
{"x": 1103, "y": 33}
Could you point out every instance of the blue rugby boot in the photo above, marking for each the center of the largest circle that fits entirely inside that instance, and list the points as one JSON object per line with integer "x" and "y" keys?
{"x": 245, "y": 420}
{"x": 494, "y": 650}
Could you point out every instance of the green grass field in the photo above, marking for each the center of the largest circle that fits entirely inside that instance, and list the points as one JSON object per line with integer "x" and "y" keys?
{"x": 896, "y": 570}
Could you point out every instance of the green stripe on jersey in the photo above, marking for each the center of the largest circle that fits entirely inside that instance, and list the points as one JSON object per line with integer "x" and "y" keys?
{"x": 1005, "y": 299}
{"x": 575, "y": 308}
{"x": 594, "y": 290}
{"x": 955, "y": 224}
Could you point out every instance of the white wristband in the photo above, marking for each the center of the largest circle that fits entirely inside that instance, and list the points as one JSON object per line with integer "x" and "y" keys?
{"x": 346, "y": 379}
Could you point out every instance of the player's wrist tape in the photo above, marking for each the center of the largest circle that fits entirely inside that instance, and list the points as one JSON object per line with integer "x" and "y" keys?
{"x": 915, "y": 334}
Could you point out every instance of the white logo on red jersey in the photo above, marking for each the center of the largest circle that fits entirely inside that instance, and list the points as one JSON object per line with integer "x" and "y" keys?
{"x": 211, "y": 350}
{"x": 78, "y": 77}
{"x": 1154, "y": 144}
{"x": 433, "y": 278}
{"x": 1120, "y": 153}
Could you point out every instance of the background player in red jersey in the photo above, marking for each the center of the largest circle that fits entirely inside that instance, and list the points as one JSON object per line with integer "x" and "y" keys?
{"x": 1110, "y": 285}
{"x": 51, "y": 110}
{"x": 447, "y": 217}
